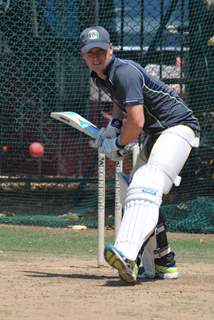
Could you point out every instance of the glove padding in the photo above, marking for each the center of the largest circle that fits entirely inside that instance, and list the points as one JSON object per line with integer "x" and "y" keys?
{"x": 109, "y": 145}
{"x": 111, "y": 131}
{"x": 98, "y": 142}
{"x": 115, "y": 155}
{"x": 120, "y": 153}
{"x": 112, "y": 149}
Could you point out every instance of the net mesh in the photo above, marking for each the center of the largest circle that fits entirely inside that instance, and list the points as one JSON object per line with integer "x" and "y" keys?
{"x": 42, "y": 72}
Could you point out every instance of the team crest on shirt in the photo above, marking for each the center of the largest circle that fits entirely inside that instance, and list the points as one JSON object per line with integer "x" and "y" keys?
{"x": 93, "y": 35}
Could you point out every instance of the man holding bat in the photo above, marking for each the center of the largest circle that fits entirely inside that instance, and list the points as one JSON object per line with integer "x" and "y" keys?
{"x": 169, "y": 132}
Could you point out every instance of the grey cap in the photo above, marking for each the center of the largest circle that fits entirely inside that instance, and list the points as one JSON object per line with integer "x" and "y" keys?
{"x": 94, "y": 37}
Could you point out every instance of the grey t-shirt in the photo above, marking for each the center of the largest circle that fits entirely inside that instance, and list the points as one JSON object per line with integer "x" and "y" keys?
{"x": 128, "y": 85}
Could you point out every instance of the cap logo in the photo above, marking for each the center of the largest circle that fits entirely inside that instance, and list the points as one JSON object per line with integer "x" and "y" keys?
{"x": 93, "y": 35}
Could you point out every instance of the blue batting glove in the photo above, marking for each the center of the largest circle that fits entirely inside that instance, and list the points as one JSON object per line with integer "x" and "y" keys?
{"x": 99, "y": 140}
{"x": 111, "y": 145}
{"x": 113, "y": 129}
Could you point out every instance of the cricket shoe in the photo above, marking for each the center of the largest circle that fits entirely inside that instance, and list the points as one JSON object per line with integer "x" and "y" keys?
{"x": 165, "y": 267}
{"x": 128, "y": 269}
{"x": 166, "y": 272}
{"x": 161, "y": 272}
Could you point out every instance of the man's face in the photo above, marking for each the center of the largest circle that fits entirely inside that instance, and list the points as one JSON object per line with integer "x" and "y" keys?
{"x": 97, "y": 59}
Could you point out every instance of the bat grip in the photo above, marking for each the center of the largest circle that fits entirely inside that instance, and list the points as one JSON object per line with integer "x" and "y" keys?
{"x": 120, "y": 153}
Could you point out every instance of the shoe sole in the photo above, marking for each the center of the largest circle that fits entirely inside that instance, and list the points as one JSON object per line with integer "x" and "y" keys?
{"x": 114, "y": 260}
{"x": 161, "y": 276}
{"x": 173, "y": 275}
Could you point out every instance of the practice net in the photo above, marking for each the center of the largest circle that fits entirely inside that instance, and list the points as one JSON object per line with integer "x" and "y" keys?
{"x": 42, "y": 72}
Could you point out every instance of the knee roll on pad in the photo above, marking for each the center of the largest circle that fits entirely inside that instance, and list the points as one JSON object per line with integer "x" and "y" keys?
{"x": 148, "y": 183}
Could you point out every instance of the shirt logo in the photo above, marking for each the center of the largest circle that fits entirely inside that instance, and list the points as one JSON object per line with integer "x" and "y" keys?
{"x": 93, "y": 35}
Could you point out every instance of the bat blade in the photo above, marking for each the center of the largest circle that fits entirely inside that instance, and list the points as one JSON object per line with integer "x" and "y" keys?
{"x": 76, "y": 121}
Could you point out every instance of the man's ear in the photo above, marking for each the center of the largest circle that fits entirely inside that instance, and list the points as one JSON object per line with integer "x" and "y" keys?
{"x": 111, "y": 47}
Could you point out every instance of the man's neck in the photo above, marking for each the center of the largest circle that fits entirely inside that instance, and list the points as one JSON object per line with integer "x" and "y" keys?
{"x": 101, "y": 75}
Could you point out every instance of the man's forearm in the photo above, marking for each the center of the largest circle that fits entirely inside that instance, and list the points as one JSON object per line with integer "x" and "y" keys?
{"x": 133, "y": 125}
{"x": 129, "y": 133}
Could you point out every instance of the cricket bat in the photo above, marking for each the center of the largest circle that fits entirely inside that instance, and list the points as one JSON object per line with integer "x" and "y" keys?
{"x": 76, "y": 121}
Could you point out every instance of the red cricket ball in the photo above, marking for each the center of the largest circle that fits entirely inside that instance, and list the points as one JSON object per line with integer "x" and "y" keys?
{"x": 36, "y": 150}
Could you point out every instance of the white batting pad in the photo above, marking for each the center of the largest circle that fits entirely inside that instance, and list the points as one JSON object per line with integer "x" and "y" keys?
{"x": 148, "y": 257}
{"x": 139, "y": 221}
{"x": 171, "y": 151}
{"x": 124, "y": 183}
{"x": 141, "y": 212}
{"x": 149, "y": 182}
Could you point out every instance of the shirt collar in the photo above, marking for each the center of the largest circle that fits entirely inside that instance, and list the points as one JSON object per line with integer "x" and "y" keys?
{"x": 108, "y": 68}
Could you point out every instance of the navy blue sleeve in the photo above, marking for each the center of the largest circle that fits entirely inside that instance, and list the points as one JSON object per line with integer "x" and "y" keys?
{"x": 129, "y": 82}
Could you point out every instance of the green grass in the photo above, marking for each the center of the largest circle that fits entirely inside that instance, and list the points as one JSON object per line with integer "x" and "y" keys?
{"x": 48, "y": 241}
{"x": 15, "y": 241}
{"x": 194, "y": 249}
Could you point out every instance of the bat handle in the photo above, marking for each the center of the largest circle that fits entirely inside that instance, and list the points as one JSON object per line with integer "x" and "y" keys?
{"x": 120, "y": 153}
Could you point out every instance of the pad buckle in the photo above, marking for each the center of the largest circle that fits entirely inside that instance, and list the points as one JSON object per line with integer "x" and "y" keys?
{"x": 195, "y": 142}
{"x": 177, "y": 181}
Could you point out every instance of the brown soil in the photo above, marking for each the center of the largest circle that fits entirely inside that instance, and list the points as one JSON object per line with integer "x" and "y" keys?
{"x": 49, "y": 288}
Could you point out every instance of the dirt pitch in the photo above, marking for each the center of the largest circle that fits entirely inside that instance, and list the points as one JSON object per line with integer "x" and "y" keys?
{"x": 46, "y": 287}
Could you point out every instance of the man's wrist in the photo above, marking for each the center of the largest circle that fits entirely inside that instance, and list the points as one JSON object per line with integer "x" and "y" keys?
{"x": 118, "y": 144}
